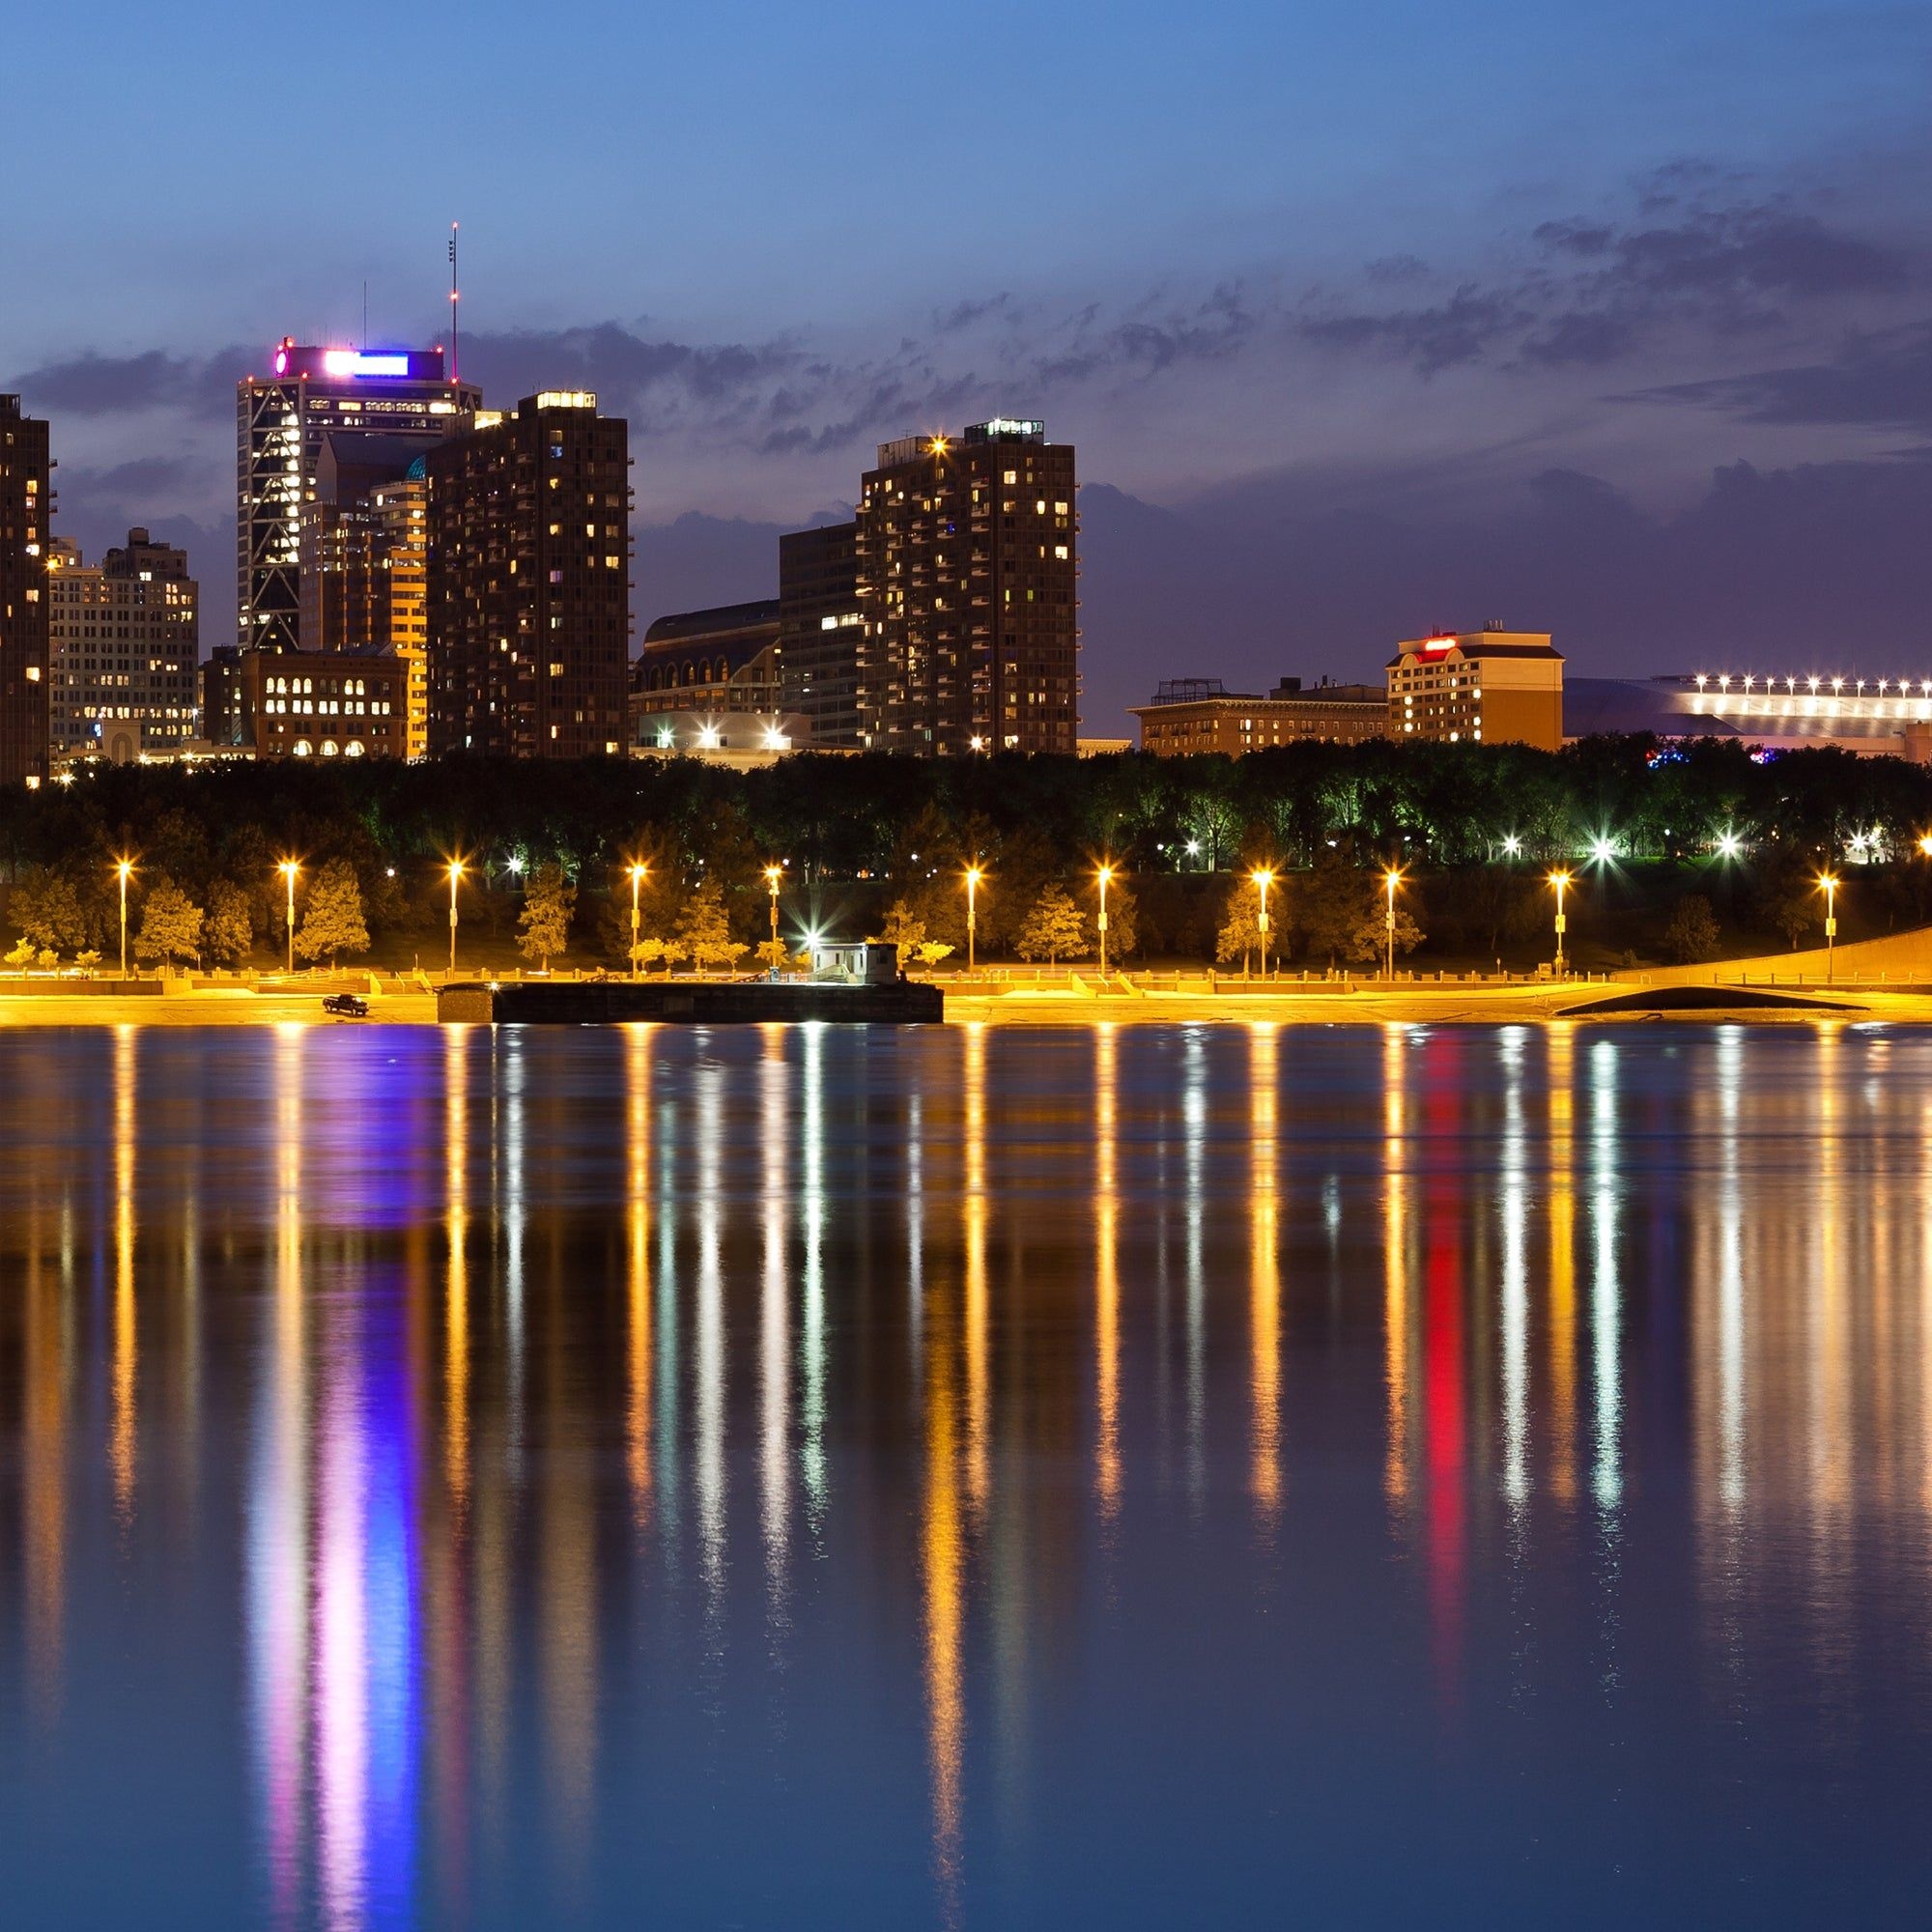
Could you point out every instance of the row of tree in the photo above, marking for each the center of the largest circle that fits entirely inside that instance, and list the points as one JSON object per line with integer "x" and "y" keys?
{"x": 878, "y": 844}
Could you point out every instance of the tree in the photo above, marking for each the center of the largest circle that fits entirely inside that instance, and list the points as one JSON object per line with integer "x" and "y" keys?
{"x": 227, "y": 930}
{"x": 1240, "y": 934}
{"x": 1124, "y": 935}
{"x": 170, "y": 924}
{"x": 23, "y": 955}
{"x": 1369, "y": 937}
{"x": 932, "y": 952}
{"x": 773, "y": 954}
{"x": 87, "y": 961}
{"x": 1692, "y": 936}
{"x": 1331, "y": 907}
{"x": 904, "y": 928}
{"x": 47, "y": 910}
{"x": 1053, "y": 927}
{"x": 331, "y": 920}
{"x": 705, "y": 929}
{"x": 549, "y": 905}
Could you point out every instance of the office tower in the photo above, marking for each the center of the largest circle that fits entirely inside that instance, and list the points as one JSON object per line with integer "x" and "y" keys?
{"x": 968, "y": 579}
{"x": 26, "y": 506}
{"x": 125, "y": 643}
{"x": 363, "y": 554}
{"x": 822, "y": 657}
{"x": 226, "y": 723}
{"x": 1487, "y": 687}
{"x": 529, "y": 582}
{"x": 283, "y": 423}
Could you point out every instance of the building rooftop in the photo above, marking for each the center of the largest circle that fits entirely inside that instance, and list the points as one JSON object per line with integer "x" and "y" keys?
{"x": 684, "y": 625}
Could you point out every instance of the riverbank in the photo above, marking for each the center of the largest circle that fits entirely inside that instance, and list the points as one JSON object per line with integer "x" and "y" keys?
{"x": 1473, "y": 1002}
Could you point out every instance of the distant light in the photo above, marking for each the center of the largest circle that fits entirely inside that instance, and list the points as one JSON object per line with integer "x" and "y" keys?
{"x": 1512, "y": 845}
{"x": 1602, "y": 850}
{"x": 1194, "y": 849}
{"x": 1729, "y": 844}
{"x": 516, "y": 862}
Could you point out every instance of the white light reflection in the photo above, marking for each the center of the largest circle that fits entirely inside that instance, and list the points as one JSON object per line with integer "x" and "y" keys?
{"x": 1514, "y": 1205}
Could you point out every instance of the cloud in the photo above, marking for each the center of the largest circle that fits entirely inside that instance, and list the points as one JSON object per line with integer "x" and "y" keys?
{"x": 1466, "y": 328}
{"x": 92, "y": 384}
{"x": 1880, "y": 380}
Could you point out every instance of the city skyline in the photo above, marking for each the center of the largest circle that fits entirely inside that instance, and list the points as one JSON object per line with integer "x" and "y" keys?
{"x": 1338, "y": 370}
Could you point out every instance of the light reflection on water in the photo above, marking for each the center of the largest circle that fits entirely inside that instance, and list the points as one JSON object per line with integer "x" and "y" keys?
{"x": 965, "y": 1477}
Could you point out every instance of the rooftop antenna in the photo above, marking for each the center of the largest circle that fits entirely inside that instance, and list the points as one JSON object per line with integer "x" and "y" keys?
{"x": 452, "y": 304}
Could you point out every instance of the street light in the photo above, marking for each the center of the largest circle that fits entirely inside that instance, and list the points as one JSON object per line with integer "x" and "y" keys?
{"x": 1729, "y": 845}
{"x": 973, "y": 877}
{"x": 1561, "y": 881}
{"x": 1105, "y": 874}
{"x": 1264, "y": 878}
{"x": 124, "y": 870}
{"x": 288, "y": 868}
{"x": 638, "y": 874}
{"x": 1925, "y": 844}
{"x": 773, "y": 874}
{"x": 516, "y": 865}
{"x": 1827, "y": 884}
{"x": 1512, "y": 845}
{"x": 455, "y": 874}
{"x": 1390, "y": 879}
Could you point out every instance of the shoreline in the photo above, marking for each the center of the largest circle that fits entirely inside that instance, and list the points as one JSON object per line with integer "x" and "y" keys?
{"x": 1444, "y": 1004}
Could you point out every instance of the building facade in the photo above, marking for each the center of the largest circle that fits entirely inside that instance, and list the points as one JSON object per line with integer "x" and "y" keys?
{"x": 1192, "y": 715}
{"x": 968, "y": 576}
{"x": 1487, "y": 687}
{"x": 326, "y": 704}
{"x": 125, "y": 643}
{"x": 283, "y": 422}
{"x": 528, "y": 582}
{"x": 823, "y": 660}
{"x": 26, "y": 510}
{"x": 725, "y": 659}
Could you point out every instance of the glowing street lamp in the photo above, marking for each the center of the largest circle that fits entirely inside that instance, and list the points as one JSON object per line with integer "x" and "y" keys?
{"x": 773, "y": 874}
{"x": 1561, "y": 882}
{"x": 1105, "y": 875}
{"x": 1827, "y": 884}
{"x": 1729, "y": 845}
{"x": 1264, "y": 878}
{"x": 124, "y": 870}
{"x": 1925, "y": 844}
{"x": 1390, "y": 880}
{"x": 1512, "y": 846}
{"x": 516, "y": 864}
{"x": 288, "y": 868}
{"x": 973, "y": 877}
{"x": 455, "y": 874}
{"x": 1603, "y": 849}
{"x": 638, "y": 873}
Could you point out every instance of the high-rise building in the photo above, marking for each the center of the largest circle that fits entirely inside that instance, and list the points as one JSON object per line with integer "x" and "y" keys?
{"x": 283, "y": 423}
{"x": 1487, "y": 687}
{"x": 364, "y": 561}
{"x": 529, "y": 582}
{"x": 968, "y": 579}
{"x": 26, "y": 507}
{"x": 822, "y": 659}
{"x": 124, "y": 644}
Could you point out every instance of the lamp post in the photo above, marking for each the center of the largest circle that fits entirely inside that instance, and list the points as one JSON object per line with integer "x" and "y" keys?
{"x": 455, "y": 874}
{"x": 1390, "y": 879}
{"x": 124, "y": 870}
{"x": 1827, "y": 884}
{"x": 973, "y": 877}
{"x": 638, "y": 875}
{"x": 773, "y": 874}
{"x": 288, "y": 868}
{"x": 1561, "y": 881}
{"x": 1263, "y": 878}
{"x": 1105, "y": 874}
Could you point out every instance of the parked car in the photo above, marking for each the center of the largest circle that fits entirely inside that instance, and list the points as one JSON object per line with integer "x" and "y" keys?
{"x": 345, "y": 1006}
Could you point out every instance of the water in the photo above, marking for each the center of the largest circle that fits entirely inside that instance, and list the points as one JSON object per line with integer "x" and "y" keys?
{"x": 818, "y": 1477}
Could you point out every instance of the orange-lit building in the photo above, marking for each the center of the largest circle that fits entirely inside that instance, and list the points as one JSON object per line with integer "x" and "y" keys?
{"x": 1195, "y": 714}
{"x": 1487, "y": 687}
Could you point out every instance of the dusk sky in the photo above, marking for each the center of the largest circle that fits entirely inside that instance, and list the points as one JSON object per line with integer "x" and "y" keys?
{"x": 1609, "y": 320}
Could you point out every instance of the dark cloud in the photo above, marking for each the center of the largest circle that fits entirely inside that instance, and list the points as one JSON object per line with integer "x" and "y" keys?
{"x": 91, "y": 385}
{"x": 149, "y": 478}
{"x": 1469, "y": 327}
{"x": 1881, "y": 380}
{"x": 963, "y": 315}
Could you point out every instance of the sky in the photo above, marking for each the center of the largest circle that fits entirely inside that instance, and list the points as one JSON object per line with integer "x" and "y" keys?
{"x": 1609, "y": 319}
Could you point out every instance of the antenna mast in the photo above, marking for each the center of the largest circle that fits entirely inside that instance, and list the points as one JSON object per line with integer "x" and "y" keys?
{"x": 452, "y": 302}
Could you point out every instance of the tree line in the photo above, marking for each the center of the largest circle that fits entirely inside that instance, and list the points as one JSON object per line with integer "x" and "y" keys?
{"x": 876, "y": 846}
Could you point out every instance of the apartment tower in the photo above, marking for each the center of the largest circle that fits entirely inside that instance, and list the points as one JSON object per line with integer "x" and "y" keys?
{"x": 26, "y": 505}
